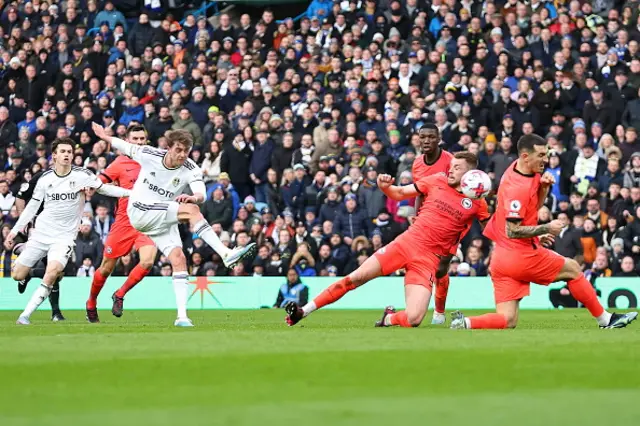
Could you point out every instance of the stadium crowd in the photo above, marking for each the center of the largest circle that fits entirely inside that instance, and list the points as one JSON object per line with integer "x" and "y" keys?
{"x": 293, "y": 121}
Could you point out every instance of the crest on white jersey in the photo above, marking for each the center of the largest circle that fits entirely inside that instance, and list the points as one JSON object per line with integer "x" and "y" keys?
{"x": 176, "y": 181}
{"x": 72, "y": 184}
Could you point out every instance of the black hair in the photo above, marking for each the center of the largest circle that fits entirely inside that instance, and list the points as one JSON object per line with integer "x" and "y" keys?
{"x": 62, "y": 141}
{"x": 527, "y": 143}
{"x": 430, "y": 126}
{"x": 136, "y": 128}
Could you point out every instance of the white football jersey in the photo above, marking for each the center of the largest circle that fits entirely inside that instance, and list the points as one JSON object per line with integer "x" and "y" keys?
{"x": 63, "y": 203}
{"x": 156, "y": 182}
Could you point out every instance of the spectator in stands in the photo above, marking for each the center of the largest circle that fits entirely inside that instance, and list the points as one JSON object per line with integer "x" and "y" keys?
{"x": 218, "y": 208}
{"x": 351, "y": 221}
{"x": 88, "y": 244}
{"x": 7, "y": 258}
{"x": 632, "y": 176}
{"x": 599, "y": 269}
{"x": 568, "y": 242}
{"x": 86, "y": 269}
{"x": 292, "y": 291}
{"x": 7, "y": 199}
{"x": 627, "y": 268}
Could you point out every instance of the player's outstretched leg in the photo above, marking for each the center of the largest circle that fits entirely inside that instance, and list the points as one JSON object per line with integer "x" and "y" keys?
{"x": 582, "y": 290}
{"x": 230, "y": 257}
{"x": 369, "y": 270}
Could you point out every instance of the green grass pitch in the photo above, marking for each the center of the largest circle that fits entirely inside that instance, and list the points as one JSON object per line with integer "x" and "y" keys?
{"x": 248, "y": 368}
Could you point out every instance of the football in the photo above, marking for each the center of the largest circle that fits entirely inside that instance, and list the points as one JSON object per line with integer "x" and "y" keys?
{"x": 475, "y": 184}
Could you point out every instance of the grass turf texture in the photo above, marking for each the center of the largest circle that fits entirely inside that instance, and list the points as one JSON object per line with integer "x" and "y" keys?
{"x": 248, "y": 368}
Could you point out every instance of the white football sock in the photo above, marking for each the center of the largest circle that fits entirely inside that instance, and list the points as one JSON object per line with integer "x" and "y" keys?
{"x": 387, "y": 320}
{"x": 604, "y": 319}
{"x": 181, "y": 289}
{"x": 308, "y": 308}
{"x": 204, "y": 231}
{"x": 39, "y": 296}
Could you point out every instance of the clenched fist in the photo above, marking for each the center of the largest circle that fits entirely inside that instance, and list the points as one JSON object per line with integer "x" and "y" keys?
{"x": 385, "y": 181}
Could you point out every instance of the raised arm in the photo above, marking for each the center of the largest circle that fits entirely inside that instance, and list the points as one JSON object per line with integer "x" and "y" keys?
{"x": 93, "y": 181}
{"x": 397, "y": 193}
{"x": 128, "y": 149}
{"x": 546, "y": 181}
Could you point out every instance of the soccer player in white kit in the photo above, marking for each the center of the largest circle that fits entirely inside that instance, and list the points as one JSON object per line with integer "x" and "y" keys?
{"x": 157, "y": 204}
{"x": 62, "y": 191}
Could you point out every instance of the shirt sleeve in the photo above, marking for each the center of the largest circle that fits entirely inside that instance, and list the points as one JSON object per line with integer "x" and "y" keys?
{"x": 26, "y": 189}
{"x": 111, "y": 173}
{"x": 514, "y": 205}
{"x": 196, "y": 183}
{"x": 423, "y": 185}
{"x": 91, "y": 181}
{"x": 31, "y": 209}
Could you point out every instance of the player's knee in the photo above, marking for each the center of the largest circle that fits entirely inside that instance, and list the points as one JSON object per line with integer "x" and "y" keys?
{"x": 415, "y": 317}
{"x": 146, "y": 264}
{"x": 192, "y": 210}
{"x": 18, "y": 275}
{"x": 106, "y": 268}
{"x": 50, "y": 278}
{"x": 572, "y": 269}
{"x": 178, "y": 260}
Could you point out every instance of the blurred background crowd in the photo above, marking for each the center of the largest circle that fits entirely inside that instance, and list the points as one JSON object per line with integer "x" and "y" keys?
{"x": 293, "y": 120}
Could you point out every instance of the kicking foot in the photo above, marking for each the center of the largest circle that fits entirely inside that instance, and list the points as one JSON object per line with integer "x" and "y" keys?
{"x": 438, "y": 318}
{"x": 621, "y": 320}
{"x": 57, "y": 316}
{"x": 183, "y": 322}
{"x": 92, "y": 315}
{"x": 118, "y": 305}
{"x": 23, "y": 321}
{"x": 238, "y": 254}
{"x": 387, "y": 311}
{"x": 457, "y": 320}
{"x": 294, "y": 313}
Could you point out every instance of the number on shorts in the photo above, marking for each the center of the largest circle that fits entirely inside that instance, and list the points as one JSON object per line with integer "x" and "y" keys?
{"x": 69, "y": 251}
